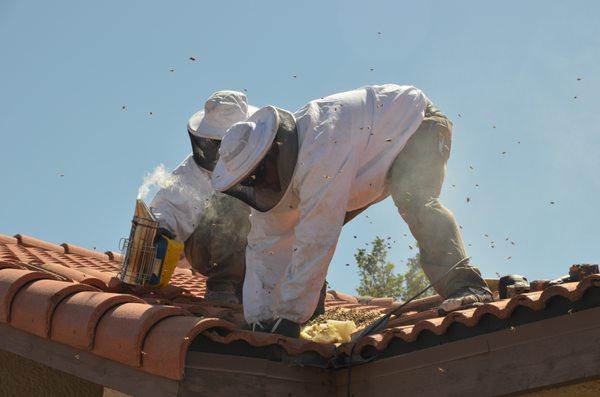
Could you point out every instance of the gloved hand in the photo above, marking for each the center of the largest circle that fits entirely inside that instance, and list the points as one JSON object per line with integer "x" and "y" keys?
{"x": 164, "y": 232}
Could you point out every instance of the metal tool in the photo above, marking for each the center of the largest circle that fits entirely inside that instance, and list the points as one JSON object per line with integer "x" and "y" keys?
{"x": 150, "y": 256}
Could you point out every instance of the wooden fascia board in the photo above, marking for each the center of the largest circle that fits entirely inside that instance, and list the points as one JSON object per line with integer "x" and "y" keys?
{"x": 225, "y": 375}
{"x": 84, "y": 364}
{"x": 553, "y": 351}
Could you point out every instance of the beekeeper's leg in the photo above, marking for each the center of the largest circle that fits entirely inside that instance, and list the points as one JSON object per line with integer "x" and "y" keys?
{"x": 217, "y": 248}
{"x": 415, "y": 181}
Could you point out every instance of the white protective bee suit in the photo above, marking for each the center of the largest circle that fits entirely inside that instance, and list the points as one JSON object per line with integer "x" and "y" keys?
{"x": 347, "y": 143}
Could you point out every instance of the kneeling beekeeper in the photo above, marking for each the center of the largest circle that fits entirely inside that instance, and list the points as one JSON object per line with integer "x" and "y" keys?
{"x": 213, "y": 225}
{"x": 302, "y": 173}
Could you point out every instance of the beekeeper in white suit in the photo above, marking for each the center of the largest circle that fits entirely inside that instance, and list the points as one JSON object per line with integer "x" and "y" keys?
{"x": 303, "y": 172}
{"x": 213, "y": 226}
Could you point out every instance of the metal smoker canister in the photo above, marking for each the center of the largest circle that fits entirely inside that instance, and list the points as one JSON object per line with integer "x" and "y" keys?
{"x": 140, "y": 255}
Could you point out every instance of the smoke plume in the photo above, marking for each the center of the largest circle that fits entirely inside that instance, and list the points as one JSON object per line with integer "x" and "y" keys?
{"x": 159, "y": 178}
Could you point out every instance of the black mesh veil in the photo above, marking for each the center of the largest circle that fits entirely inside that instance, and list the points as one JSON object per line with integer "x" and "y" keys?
{"x": 283, "y": 154}
{"x": 205, "y": 151}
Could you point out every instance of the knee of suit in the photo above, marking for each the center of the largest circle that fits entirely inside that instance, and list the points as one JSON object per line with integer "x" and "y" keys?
{"x": 410, "y": 204}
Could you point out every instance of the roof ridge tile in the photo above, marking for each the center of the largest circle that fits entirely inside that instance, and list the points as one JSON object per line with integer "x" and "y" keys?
{"x": 112, "y": 282}
{"x": 34, "y": 304}
{"x": 73, "y": 274}
{"x": 29, "y": 241}
{"x": 133, "y": 321}
{"x": 342, "y": 296}
{"x": 167, "y": 343}
{"x": 85, "y": 252}
{"x": 115, "y": 256}
{"x": 4, "y": 239}
{"x": 11, "y": 282}
{"x": 75, "y": 319}
{"x": 572, "y": 291}
{"x": 470, "y": 317}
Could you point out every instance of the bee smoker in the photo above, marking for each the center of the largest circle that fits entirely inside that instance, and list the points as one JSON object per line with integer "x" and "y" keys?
{"x": 150, "y": 257}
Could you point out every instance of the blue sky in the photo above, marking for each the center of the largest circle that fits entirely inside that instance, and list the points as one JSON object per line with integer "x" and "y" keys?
{"x": 510, "y": 69}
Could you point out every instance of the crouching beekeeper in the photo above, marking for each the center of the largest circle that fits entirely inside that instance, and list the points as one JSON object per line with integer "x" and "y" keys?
{"x": 213, "y": 225}
{"x": 302, "y": 174}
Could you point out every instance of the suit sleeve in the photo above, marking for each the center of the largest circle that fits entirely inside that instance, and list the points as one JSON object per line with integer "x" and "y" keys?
{"x": 179, "y": 206}
{"x": 326, "y": 171}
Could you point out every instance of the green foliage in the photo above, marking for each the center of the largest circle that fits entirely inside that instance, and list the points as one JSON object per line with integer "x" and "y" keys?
{"x": 376, "y": 273}
{"x": 377, "y": 277}
{"x": 414, "y": 279}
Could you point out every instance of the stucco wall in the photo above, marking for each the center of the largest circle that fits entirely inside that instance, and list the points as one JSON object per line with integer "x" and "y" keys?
{"x": 22, "y": 377}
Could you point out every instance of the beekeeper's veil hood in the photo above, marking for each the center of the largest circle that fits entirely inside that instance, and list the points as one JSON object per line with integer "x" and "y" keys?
{"x": 243, "y": 148}
{"x": 208, "y": 126}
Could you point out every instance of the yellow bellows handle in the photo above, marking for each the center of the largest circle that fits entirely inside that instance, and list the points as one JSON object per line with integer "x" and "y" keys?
{"x": 174, "y": 251}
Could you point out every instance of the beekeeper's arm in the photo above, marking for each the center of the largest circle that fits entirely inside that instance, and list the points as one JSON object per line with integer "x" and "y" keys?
{"x": 179, "y": 205}
{"x": 323, "y": 190}
{"x": 268, "y": 253}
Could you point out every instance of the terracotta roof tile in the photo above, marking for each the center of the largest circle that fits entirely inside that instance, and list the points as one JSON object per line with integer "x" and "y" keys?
{"x": 9, "y": 265}
{"x": 76, "y": 317}
{"x": 385, "y": 302}
{"x": 167, "y": 343}
{"x": 28, "y": 241}
{"x": 13, "y": 252}
{"x": 11, "y": 281}
{"x": 110, "y": 279}
{"x": 114, "y": 256}
{"x": 5, "y": 255}
{"x": 205, "y": 310}
{"x": 470, "y": 317}
{"x": 61, "y": 258}
{"x": 422, "y": 304}
{"x": 413, "y": 317}
{"x": 71, "y": 274}
{"x": 73, "y": 249}
{"x": 292, "y": 346}
{"x": 171, "y": 291}
{"x": 7, "y": 239}
{"x": 121, "y": 331}
{"x": 341, "y": 296}
{"x": 34, "y": 304}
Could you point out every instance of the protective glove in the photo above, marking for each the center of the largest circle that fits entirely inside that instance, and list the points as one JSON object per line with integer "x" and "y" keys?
{"x": 164, "y": 232}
